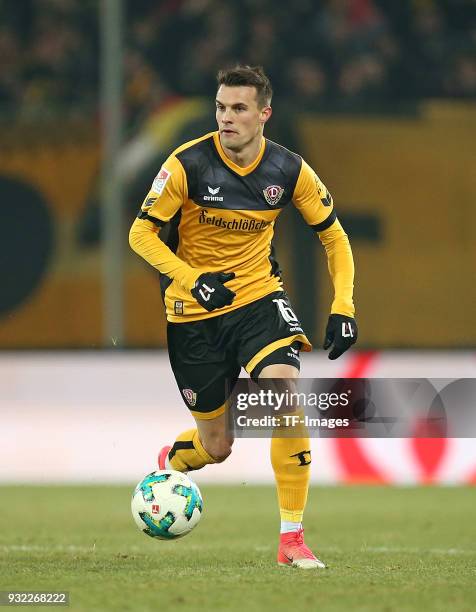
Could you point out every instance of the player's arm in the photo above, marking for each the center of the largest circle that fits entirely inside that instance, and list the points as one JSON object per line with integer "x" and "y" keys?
{"x": 166, "y": 196}
{"x": 168, "y": 192}
{"x": 315, "y": 203}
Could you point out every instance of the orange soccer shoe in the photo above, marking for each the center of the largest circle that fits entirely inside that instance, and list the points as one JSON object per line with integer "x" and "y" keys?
{"x": 293, "y": 552}
{"x": 164, "y": 451}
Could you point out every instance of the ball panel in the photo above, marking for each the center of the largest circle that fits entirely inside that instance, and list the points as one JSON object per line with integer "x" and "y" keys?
{"x": 147, "y": 484}
{"x": 158, "y": 528}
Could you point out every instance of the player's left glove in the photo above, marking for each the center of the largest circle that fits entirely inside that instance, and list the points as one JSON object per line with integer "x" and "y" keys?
{"x": 341, "y": 331}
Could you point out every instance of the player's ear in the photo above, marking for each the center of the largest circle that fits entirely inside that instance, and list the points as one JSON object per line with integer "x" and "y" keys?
{"x": 265, "y": 114}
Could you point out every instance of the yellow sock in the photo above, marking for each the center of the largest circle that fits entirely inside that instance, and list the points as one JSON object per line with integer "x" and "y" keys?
{"x": 188, "y": 453}
{"x": 291, "y": 461}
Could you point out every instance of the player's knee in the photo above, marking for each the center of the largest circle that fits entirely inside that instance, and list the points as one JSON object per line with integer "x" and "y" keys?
{"x": 218, "y": 448}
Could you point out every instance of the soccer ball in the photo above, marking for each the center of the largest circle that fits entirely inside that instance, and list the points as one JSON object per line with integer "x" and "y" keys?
{"x": 166, "y": 505}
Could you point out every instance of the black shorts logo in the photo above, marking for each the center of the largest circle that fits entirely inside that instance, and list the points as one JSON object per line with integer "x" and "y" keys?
{"x": 190, "y": 396}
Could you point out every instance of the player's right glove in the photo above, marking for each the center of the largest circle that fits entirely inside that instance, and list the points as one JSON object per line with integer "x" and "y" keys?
{"x": 210, "y": 292}
{"x": 341, "y": 331}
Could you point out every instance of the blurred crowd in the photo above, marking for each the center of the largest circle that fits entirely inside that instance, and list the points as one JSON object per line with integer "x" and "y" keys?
{"x": 320, "y": 54}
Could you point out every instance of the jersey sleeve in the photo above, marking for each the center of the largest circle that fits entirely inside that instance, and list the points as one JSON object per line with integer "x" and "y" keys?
{"x": 167, "y": 194}
{"x": 340, "y": 263}
{"x": 313, "y": 200}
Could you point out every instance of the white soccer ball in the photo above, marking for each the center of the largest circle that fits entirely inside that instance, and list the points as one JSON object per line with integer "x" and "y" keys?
{"x": 166, "y": 505}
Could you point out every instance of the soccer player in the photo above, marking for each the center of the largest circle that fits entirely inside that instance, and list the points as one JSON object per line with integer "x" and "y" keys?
{"x": 219, "y": 197}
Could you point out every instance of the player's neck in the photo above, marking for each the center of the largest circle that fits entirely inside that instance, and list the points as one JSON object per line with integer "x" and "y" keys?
{"x": 246, "y": 156}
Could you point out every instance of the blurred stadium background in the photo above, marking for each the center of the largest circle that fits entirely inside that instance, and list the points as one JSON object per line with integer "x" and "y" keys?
{"x": 379, "y": 96}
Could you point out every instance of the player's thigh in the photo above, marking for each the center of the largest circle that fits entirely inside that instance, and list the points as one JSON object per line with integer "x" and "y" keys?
{"x": 279, "y": 370}
{"x": 204, "y": 371}
{"x": 281, "y": 378}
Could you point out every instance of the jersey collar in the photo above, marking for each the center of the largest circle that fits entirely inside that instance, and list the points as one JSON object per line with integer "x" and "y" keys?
{"x": 242, "y": 171}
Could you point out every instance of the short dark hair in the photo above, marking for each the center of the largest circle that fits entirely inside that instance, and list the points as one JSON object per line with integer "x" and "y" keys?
{"x": 249, "y": 76}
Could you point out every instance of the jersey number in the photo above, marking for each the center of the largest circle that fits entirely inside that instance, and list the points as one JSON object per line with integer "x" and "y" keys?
{"x": 206, "y": 292}
{"x": 286, "y": 311}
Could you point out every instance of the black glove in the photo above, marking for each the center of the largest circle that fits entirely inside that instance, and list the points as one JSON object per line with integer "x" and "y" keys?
{"x": 342, "y": 332}
{"x": 210, "y": 292}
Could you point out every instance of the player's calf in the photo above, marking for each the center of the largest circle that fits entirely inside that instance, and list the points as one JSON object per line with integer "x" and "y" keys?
{"x": 218, "y": 448}
{"x": 215, "y": 436}
{"x": 186, "y": 454}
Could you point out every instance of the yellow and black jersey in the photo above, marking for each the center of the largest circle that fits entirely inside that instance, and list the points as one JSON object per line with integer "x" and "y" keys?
{"x": 220, "y": 217}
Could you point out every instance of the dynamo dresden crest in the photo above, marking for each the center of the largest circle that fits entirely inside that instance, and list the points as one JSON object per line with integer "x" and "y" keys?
{"x": 190, "y": 396}
{"x": 273, "y": 194}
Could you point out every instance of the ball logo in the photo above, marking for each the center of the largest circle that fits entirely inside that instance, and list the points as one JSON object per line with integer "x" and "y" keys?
{"x": 273, "y": 194}
{"x": 190, "y": 396}
{"x": 155, "y": 509}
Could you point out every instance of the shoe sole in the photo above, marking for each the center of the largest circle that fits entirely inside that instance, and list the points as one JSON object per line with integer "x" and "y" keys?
{"x": 304, "y": 564}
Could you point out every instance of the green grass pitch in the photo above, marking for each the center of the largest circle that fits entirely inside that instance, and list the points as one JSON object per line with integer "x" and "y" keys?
{"x": 388, "y": 549}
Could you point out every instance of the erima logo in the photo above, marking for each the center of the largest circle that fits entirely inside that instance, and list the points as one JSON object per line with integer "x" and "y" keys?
{"x": 213, "y": 197}
{"x": 347, "y": 330}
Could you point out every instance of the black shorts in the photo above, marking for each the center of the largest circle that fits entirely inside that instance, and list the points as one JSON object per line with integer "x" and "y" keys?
{"x": 207, "y": 355}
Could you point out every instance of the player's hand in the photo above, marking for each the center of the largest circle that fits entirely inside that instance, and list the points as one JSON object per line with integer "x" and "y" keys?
{"x": 210, "y": 291}
{"x": 341, "y": 331}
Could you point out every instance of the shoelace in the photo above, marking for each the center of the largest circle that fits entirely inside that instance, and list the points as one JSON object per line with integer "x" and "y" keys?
{"x": 300, "y": 537}
{"x": 295, "y": 537}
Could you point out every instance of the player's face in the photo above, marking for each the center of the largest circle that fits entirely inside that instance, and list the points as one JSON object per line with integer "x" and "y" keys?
{"x": 239, "y": 117}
